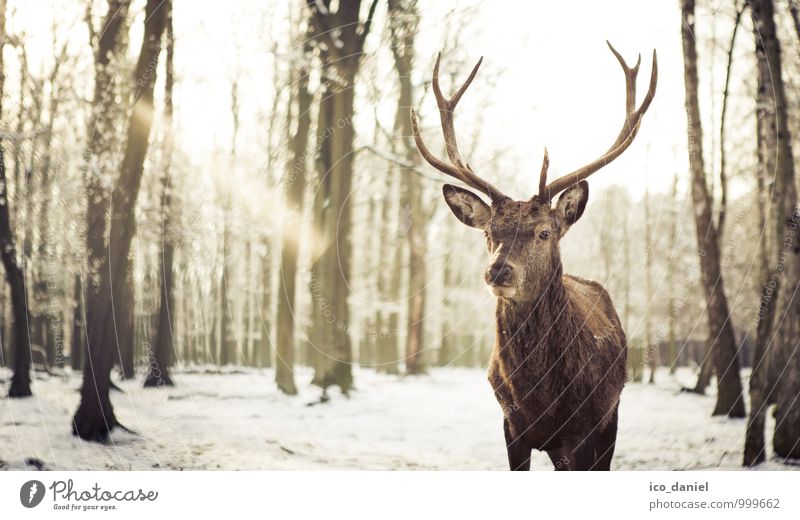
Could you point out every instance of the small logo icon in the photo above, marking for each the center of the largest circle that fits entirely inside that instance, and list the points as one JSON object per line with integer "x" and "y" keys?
{"x": 31, "y": 493}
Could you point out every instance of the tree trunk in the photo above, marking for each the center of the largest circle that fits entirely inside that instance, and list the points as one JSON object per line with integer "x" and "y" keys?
{"x": 786, "y": 440}
{"x": 78, "y": 345}
{"x": 263, "y": 346}
{"x": 651, "y": 349}
{"x": 775, "y": 350}
{"x": 294, "y": 186}
{"x": 95, "y": 417}
{"x": 332, "y": 269}
{"x": 124, "y": 306}
{"x": 340, "y": 63}
{"x": 723, "y": 174}
{"x": 109, "y": 48}
{"x": 250, "y": 356}
{"x": 673, "y": 310}
{"x": 403, "y": 25}
{"x": 776, "y": 377}
{"x": 723, "y": 342}
{"x": 706, "y": 370}
{"x": 228, "y": 344}
{"x": 41, "y": 320}
{"x": 160, "y": 354}
{"x": 20, "y": 338}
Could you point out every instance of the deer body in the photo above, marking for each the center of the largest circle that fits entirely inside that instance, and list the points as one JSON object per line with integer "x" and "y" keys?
{"x": 558, "y": 364}
{"x": 557, "y": 370}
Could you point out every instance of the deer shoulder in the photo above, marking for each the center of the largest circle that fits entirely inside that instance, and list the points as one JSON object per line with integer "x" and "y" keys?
{"x": 594, "y": 305}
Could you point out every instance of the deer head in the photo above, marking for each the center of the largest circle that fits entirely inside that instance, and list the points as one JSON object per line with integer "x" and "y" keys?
{"x": 522, "y": 236}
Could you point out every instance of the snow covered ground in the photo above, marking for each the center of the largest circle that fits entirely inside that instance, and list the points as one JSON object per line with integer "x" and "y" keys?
{"x": 446, "y": 420}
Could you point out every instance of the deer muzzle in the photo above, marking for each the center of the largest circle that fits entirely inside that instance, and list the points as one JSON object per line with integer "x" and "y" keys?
{"x": 499, "y": 274}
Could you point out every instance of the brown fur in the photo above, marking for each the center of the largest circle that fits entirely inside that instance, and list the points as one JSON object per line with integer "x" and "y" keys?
{"x": 558, "y": 364}
{"x": 558, "y": 368}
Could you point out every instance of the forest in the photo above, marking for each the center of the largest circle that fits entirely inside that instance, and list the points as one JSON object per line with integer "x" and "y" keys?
{"x": 225, "y": 247}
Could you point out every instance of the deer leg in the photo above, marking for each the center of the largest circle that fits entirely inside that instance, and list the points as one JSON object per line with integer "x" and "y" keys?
{"x": 584, "y": 454}
{"x": 606, "y": 442}
{"x": 562, "y": 458}
{"x": 519, "y": 454}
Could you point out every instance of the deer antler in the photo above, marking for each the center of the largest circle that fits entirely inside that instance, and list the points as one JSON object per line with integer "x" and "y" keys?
{"x": 633, "y": 118}
{"x": 456, "y": 167}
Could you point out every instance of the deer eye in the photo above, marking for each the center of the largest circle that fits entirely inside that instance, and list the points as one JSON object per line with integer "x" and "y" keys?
{"x": 544, "y": 235}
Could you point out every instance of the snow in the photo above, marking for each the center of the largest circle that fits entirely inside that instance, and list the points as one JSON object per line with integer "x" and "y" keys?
{"x": 448, "y": 419}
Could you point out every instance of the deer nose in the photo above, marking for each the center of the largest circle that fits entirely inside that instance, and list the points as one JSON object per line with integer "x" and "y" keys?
{"x": 499, "y": 274}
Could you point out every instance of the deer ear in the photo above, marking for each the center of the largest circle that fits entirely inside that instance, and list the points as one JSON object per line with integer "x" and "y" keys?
{"x": 572, "y": 202}
{"x": 466, "y": 206}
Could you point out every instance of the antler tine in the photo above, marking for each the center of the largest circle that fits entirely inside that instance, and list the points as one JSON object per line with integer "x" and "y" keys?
{"x": 457, "y": 168}
{"x": 630, "y": 78}
{"x": 633, "y": 119}
{"x": 543, "y": 174}
{"x": 460, "y": 92}
{"x": 426, "y": 153}
{"x": 446, "y": 111}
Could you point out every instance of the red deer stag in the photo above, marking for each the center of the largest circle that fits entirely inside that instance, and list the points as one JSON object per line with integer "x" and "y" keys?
{"x": 558, "y": 363}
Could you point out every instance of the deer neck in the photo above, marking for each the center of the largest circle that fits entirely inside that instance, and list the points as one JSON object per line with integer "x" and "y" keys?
{"x": 537, "y": 323}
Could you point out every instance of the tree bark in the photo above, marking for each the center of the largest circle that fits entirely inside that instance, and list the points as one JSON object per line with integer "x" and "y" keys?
{"x": 706, "y": 371}
{"x": 403, "y": 26}
{"x": 786, "y": 354}
{"x": 109, "y": 46}
{"x": 651, "y": 349}
{"x": 95, "y": 418}
{"x": 294, "y": 187}
{"x": 20, "y": 338}
{"x": 777, "y": 327}
{"x": 723, "y": 341}
{"x": 673, "y": 311}
{"x": 44, "y": 320}
{"x": 331, "y": 271}
{"x": 227, "y": 352}
{"x": 124, "y": 306}
{"x": 263, "y": 347}
{"x": 775, "y": 376}
{"x": 78, "y": 344}
{"x": 723, "y": 174}
{"x": 160, "y": 354}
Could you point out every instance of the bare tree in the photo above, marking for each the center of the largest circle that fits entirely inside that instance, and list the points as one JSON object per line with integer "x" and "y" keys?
{"x": 20, "y": 339}
{"x": 775, "y": 378}
{"x": 723, "y": 173}
{"x": 294, "y": 187}
{"x": 340, "y": 43}
{"x": 44, "y": 321}
{"x": 403, "y": 26}
{"x": 672, "y": 347}
{"x": 95, "y": 417}
{"x": 228, "y": 342}
{"x": 651, "y": 349}
{"x": 722, "y": 341}
{"x": 109, "y": 45}
{"x": 160, "y": 355}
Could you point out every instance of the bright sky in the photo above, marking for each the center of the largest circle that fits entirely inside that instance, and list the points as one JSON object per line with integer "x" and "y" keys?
{"x": 562, "y": 88}
{"x": 548, "y": 79}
